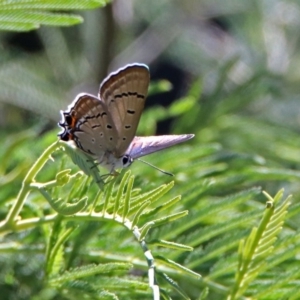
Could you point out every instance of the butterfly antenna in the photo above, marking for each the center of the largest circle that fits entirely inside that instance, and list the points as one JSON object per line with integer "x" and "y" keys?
{"x": 164, "y": 172}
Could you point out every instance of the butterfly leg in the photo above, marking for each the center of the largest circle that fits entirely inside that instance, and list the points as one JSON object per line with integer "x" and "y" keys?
{"x": 113, "y": 172}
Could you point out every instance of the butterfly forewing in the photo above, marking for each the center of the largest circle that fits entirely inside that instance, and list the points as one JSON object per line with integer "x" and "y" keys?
{"x": 124, "y": 93}
{"x": 144, "y": 145}
{"x": 91, "y": 126}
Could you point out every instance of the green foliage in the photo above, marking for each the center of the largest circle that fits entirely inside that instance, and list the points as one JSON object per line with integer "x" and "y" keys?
{"x": 259, "y": 245}
{"x": 65, "y": 215}
{"x": 24, "y": 15}
{"x": 210, "y": 233}
{"x": 217, "y": 223}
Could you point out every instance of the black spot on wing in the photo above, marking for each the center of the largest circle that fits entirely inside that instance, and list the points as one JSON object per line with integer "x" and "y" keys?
{"x": 131, "y": 112}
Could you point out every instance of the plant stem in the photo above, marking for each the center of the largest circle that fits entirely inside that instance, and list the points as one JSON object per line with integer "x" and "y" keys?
{"x": 14, "y": 212}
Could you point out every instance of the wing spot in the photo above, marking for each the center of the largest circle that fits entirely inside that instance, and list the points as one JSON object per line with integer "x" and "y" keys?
{"x": 131, "y": 112}
{"x": 127, "y": 126}
{"x": 89, "y": 118}
{"x": 108, "y": 126}
{"x": 124, "y": 138}
{"x": 111, "y": 138}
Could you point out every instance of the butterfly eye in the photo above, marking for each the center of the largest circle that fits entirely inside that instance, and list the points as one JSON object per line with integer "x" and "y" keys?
{"x": 127, "y": 160}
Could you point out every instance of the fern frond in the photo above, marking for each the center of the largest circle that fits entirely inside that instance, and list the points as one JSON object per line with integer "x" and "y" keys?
{"x": 161, "y": 221}
{"x": 259, "y": 244}
{"x": 107, "y": 197}
{"x": 171, "y": 245}
{"x": 142, "y": 208}
{"x": 210, "y": 208}
{"x": 54, "y": 253}
{"x": 172, "y": 264}
{"x": 89, "y": 270}
{"x": 120, "y": 192}
{"x": 127, "y": 198}
{"x": 60, "y": 205}
{"x": 151, "y": 196}
{"x": 175, "y": 286}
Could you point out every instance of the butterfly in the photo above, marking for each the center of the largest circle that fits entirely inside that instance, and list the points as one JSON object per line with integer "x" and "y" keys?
{"x": 104, "y": 127}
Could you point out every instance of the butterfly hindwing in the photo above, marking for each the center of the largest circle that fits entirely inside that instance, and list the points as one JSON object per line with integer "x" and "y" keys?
{"x": 90, "y": 125}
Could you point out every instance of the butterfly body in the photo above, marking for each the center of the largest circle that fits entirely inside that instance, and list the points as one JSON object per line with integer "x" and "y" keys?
{"x": 104, "y": 127}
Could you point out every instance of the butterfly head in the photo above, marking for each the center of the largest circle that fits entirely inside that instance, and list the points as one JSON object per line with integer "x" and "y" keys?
{"x": 111, "y": 163}
{"x": 127, "y": 160}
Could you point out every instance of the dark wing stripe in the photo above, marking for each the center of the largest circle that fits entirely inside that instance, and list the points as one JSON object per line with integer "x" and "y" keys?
{"x": 128, "y": 94}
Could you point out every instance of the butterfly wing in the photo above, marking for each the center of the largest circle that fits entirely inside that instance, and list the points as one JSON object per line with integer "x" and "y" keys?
{"x": 141, "y": 146}
{"x": 124, "y": 93}
{"x": 89, "y": 124}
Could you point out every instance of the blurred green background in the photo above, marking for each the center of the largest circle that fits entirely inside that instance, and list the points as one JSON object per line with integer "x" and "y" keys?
{"x": 234, "y": 70}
